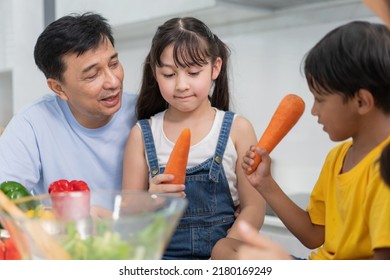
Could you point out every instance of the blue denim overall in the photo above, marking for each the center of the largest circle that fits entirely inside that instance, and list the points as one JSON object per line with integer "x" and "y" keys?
{"x": 210, "y": 212}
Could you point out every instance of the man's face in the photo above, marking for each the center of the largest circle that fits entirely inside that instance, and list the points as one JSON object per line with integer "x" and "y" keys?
{"x": 92, "y": 85}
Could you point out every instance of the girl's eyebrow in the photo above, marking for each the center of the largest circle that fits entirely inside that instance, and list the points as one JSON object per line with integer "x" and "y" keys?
{"x": 163, "y": 64}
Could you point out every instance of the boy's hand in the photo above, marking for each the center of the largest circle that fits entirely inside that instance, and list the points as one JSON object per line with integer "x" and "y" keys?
{"x": 157, "y": 186}
{"x": 248, "y": 159}
{"x": 257, "y": 246}
{"x": 263, "y": 171}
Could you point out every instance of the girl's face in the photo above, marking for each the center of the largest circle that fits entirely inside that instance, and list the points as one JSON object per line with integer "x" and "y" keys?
{"x": 338, "y": 118}
{"x": 185, "y": 88}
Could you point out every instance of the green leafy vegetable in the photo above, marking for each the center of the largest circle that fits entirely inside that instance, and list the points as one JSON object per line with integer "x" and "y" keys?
{"x": 106, "y": 244}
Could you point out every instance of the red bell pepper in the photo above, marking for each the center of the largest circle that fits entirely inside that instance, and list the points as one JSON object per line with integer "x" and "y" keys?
{"x": 68, "y": 186}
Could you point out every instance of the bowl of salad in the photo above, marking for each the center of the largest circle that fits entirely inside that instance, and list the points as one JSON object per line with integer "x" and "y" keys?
{"x": 94, "y": 225}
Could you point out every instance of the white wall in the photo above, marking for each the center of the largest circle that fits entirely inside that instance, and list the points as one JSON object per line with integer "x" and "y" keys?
{"x": 266, "y": 58}
{"x": 21, "y": 22}
{"x": 128, "y": 11}
{"x": 265, "y": 65}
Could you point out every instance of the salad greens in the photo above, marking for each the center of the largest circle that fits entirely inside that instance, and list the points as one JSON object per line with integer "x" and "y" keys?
{"x": 107, "y": 244}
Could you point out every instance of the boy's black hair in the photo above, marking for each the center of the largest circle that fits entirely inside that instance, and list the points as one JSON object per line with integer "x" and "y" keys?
{"x": 73, "y": 33}
{"x": 351, "y": 57}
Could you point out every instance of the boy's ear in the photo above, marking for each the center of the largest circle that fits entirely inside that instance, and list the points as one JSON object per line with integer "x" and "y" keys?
{"x": 365, "y": 101}
{"x": 56, "y": 86}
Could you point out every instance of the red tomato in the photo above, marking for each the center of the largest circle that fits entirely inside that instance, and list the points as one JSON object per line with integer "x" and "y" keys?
{"x": 2, "y": 250}
{"x": 11, "y": 252}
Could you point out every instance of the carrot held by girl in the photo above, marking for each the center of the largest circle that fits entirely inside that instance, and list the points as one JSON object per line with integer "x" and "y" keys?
{"x": 185, "y": 85}
{"x": 177, "y": 161}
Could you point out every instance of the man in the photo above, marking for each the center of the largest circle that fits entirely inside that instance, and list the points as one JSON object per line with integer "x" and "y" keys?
{"x": 79, "y": 132}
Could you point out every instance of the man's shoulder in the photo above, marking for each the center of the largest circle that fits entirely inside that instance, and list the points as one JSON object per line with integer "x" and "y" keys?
{"x": 43, "y": 110}
{"x": 46, "y": 101}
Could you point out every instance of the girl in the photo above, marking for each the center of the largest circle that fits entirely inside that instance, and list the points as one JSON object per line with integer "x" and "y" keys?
{"x": 185, "y": 62}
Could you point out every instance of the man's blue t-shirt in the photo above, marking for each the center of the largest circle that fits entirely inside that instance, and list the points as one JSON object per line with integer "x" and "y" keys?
{"x": 44, "y": 143}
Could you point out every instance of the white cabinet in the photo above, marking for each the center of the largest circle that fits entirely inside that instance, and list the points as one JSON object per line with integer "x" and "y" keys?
{"x": 5, "y": 97}
{"x": 20, "y": 81}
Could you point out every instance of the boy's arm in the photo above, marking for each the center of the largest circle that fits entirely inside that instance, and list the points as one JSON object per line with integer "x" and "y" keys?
{"x": 382, "y": 254}
{"x": 293, "y": 217}
{"x": 258, "y": 246}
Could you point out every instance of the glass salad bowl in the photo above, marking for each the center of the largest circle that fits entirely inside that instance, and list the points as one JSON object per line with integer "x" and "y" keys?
{"x": 94, "y": 225}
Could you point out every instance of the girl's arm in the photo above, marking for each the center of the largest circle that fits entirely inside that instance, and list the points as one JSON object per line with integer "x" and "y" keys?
{"x": 252, "y": 205}
{"x": 135, "y": 168}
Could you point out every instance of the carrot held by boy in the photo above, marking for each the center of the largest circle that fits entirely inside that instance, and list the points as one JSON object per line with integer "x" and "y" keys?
{"x": 285, "y": 117}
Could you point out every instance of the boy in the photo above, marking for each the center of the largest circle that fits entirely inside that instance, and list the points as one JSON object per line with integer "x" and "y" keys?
{"x": 348, "y": 72}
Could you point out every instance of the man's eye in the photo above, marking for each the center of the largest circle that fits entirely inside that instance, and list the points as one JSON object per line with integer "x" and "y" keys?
{"x": 91, "y": 77}
{"x": 114, "y": 64}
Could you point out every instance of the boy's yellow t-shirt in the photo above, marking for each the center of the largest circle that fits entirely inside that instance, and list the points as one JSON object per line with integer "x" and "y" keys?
{"x": 354, "y": 207}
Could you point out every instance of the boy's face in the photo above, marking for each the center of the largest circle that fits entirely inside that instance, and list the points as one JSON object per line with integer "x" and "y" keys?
{"x": 338, "y": 118}
{"x": 92, "y": 85}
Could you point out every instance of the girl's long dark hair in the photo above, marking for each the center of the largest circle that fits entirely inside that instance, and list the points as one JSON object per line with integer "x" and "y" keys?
{"x": 193, "y": 44}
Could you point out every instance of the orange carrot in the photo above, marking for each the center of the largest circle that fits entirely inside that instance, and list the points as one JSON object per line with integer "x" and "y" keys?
{"x": 381, "y": 8}
{"x": 177, "y": 162}
{"x": 285, "y": 117}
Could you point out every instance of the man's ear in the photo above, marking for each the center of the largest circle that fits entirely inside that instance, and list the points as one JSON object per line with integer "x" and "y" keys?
{"x": 56, "y": 86}
{"x": 216, "y": 68}
{"x": 365, "y": 101}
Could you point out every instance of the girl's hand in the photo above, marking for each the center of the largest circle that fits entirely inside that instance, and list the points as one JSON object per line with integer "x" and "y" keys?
{"x": 156, "y": 185}
{"x": 258, "y": 247}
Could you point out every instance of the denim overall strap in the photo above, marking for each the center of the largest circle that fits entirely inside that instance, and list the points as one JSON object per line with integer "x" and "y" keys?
{"x": 210, "y": 211}
{"x": 149, "y": 147}
{"x": 221, "y": 146}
